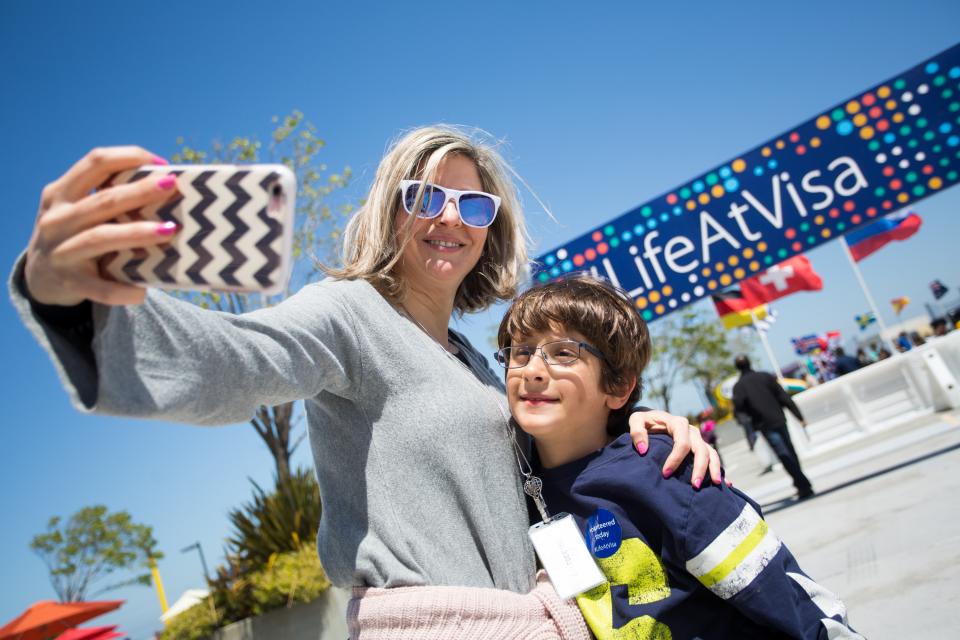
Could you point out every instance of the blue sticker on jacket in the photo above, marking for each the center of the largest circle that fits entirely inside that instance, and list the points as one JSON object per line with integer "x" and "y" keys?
{"x": 603, "y": 534}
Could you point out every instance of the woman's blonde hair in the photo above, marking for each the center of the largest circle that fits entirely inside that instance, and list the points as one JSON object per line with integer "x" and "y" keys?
{"x": 372, "y": 248}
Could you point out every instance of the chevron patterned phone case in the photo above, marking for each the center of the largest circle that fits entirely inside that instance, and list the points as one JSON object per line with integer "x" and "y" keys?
{"x": 236, "y": 230}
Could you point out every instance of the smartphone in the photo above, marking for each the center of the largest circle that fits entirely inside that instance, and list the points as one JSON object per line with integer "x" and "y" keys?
{"x": 236, "y": 230}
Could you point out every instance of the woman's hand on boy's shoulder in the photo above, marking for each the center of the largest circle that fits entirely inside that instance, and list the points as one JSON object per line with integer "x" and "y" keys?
{"x": 686, "y": 440}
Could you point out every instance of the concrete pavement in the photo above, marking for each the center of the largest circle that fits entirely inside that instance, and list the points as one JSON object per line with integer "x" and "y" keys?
{"x": 883, "y": 530}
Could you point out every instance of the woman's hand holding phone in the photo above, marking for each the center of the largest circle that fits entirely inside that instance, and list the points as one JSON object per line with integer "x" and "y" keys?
{"x": 75, "y": 228}
{"x": 199, "y": 227}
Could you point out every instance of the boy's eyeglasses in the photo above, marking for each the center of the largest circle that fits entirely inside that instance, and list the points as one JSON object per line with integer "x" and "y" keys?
{"x": 476, "y": 208}
{"x": 560, "y": 352}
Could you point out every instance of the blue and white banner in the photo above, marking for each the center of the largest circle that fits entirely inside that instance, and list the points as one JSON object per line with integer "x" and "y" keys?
{"x": 881, "y": 150}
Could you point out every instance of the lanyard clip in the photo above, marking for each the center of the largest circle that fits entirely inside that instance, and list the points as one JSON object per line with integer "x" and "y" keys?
{"x": 533, "y": 487}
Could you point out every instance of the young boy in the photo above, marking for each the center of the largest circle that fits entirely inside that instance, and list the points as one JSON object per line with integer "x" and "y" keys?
{"x": 679, "y": 563}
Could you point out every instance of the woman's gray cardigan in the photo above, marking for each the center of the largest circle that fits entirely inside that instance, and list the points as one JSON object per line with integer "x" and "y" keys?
{"x": 413, "y": 452}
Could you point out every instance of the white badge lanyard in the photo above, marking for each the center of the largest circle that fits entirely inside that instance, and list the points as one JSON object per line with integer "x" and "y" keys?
{"x": 556, "y": 539}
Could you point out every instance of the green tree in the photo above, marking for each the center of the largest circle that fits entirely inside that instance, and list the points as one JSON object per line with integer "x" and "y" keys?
{"x": 91, "y": 546}
{"x": 275, "y": 522}
{"x": 295, "y": 143}
{"x": 713, "y": 359}
{"x": 267, "y": 527}
{"x": 687, "y": 344}
{"x": 294, "y": 576}
{"x": 196, "y": 623}
{"x": 288, "y": 578}
{"x": 691, "y": 345}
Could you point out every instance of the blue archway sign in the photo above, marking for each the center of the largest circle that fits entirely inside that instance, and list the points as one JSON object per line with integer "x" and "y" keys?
{"x": 883, "y": 149}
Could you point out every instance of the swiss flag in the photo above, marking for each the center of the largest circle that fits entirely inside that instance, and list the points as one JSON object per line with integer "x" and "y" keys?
{"x": 791, "y": 275}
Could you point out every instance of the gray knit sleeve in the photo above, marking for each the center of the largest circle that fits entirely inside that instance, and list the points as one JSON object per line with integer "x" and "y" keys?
{"x": 170, "y": 360}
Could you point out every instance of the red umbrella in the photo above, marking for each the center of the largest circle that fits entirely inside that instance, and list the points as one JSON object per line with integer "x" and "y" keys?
{"x": 47, "y": 619}
{"x": 90, "y": 633}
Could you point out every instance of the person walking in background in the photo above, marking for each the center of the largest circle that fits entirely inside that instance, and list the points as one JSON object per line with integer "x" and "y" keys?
{"x": 759, "y": 447}
{"x": 708, "y": 431}
{"x": 759, "y": 400}
{"x": 842, "y": 363}
{"x": 903, "y": 342}
{"x": 939, "y": 326}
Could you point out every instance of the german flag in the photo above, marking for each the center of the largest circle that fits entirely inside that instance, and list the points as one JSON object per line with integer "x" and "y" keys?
{"x": 735, "y": 310}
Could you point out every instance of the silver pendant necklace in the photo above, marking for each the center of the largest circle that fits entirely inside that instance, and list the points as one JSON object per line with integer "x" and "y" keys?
{"x": 532, "y": 485}
{"x": 410, "y": 316}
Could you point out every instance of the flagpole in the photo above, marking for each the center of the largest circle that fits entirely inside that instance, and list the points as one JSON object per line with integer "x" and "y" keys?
{"x": 766, "y": 345}
{"x": 866, "y": 293}
{"x": 158, "y": 583}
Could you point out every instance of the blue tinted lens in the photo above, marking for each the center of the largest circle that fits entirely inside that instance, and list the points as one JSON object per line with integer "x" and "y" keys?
{"x": 432, "y": 201}
{"x": 409, "y": 197}
{"x": 477, "y": 210}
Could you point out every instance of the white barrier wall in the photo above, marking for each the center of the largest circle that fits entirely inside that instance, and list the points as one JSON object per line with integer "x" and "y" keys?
{"x": 879, "y": 396}
{"x": 322, "y": 619}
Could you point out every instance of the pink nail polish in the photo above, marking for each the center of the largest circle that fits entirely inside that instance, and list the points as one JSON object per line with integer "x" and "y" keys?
{"x": 642, "y": 448}
{"x": 158, "y": 160}
{"x": 166, "y": 182}
{"x": 167, "y": 228}
{"x": 667, "y": 473}
{"x": 697, "y": 483}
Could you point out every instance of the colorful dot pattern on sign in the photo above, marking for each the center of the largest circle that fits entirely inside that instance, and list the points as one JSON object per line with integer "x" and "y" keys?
{"x": 877, "y": 152}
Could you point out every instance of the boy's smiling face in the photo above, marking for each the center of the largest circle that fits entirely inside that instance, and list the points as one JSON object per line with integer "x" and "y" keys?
{"x": 563, "y": 406}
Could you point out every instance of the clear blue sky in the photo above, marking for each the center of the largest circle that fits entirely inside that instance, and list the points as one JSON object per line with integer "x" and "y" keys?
{"x": 603, "y": 106}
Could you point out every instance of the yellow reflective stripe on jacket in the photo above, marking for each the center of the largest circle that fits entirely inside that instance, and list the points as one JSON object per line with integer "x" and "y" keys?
{"x": 736, "y": 556}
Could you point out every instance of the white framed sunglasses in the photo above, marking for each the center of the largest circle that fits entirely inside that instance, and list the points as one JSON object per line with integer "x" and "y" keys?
{"x": 476, "y": 208}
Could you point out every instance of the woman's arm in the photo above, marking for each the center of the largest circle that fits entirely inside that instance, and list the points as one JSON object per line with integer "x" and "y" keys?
{"x": 120, "y": 350}
{"x": 171, "y": 360}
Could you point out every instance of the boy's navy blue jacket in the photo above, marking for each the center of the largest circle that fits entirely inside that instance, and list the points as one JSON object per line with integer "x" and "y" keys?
{"x": 682, "y": 563}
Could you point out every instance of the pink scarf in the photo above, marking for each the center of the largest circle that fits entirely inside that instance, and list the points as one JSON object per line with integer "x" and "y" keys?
{"x": 463, "y": 613}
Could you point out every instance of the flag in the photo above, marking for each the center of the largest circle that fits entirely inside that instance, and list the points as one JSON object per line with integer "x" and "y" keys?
{"x": 814, "y": 341}
{"x": 806, "y": 344}
{"x": 735, "y": 310}
{"x": 864, "y": 320}
{"x": 762, "y": 326}
{"x": 791, "y": 275}
{"x": 899, "y": 304}
{"x": 896, "y": 226}
{"x": 743, "y": 318}
{"x": 938, "y": 288}
{"x": 829, "y": 340}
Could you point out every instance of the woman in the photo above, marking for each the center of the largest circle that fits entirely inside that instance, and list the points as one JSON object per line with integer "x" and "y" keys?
{"x": 416, "y": 461}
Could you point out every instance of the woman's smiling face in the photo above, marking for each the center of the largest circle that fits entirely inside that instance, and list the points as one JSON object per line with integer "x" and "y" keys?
{"x": 442, "y": 250}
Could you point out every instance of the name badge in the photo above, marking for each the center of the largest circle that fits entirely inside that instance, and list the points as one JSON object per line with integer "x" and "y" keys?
{"x": 565, "y": 556}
